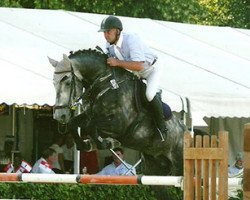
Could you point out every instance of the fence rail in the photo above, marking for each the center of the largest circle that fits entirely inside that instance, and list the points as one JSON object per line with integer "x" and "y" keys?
{"x": 204, "y": 158}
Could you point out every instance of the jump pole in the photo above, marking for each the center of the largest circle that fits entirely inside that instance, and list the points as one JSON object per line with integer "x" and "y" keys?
{"x": 176, "y": 181}
{"x": 92, "y": 179}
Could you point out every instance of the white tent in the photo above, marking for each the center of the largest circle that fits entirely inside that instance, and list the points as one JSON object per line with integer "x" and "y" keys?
{"x": 207, "y": 65}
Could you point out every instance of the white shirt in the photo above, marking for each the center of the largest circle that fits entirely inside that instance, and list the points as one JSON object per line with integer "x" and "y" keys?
{"x": 68, "y": 153}
{"x": 58, "y": 150}
{"x": 132, "y": 48}
{"x": 42, "y": 167}
{"x": 234, "y": 171}
{"x": 111, "y": 169}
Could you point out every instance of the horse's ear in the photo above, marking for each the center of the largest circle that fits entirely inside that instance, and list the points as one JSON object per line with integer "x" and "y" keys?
{"x": 66, "y": 60}
{"x": 53, "y": 62}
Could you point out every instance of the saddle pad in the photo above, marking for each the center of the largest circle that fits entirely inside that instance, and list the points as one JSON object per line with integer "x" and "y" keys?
{"x": 166, "y": 111}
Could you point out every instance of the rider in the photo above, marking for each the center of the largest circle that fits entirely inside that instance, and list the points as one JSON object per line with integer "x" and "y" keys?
{"x": 129, "y": 52}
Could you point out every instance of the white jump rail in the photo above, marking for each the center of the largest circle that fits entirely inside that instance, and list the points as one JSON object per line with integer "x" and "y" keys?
{"x": 176, "y": 181}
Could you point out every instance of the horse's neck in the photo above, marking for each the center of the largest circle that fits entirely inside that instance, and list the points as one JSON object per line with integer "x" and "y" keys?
{"x": 90, "y": 76}
{"x": 94, "y": 69}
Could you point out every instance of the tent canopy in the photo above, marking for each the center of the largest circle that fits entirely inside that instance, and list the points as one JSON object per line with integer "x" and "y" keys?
{"x": 207, "y": 65}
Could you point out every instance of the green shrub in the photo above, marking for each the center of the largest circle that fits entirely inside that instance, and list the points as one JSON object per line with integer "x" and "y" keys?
{"x": 74, "y": 191}
{"x": 239, "y": 196}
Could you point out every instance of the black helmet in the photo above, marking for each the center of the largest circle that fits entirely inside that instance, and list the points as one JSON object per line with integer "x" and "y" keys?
{"x": 109, "y": 23}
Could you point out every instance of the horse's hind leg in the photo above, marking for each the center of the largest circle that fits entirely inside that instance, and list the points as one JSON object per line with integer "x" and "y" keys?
{"x": 159, "y": 165}
{"x": 167, "y": 192}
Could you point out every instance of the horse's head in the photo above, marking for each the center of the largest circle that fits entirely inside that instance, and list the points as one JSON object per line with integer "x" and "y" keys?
{"x": 82, "y": 69}
{"x": 68, "y": 88}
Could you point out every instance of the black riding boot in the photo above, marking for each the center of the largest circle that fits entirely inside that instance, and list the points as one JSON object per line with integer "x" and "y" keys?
{"x": 156, "y": 107}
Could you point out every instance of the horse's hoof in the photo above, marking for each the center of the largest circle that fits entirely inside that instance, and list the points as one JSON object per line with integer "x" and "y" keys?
{"x": 83, "y": 146}
{"x": 80, "y": 146}
{"x": 114, "y": 143}
{"x": 105, "y": 144}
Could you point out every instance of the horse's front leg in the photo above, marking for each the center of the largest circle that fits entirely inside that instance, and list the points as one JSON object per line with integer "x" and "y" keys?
{"x": 73, "y": 125}
{"x": 103, "y": 143}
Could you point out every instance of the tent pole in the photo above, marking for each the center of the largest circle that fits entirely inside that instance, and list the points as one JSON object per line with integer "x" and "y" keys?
{"x": 13, "y": 129}
{"x": 13, "y": 120}
{"x": 77, "y": 152}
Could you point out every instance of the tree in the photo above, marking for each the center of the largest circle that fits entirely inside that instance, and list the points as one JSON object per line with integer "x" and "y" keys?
{"x": 234, "y": 13}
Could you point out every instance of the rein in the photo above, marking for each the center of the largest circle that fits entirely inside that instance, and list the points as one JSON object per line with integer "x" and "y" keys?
{"x": 62, "y": 72}
{"x": 104, "y": 83}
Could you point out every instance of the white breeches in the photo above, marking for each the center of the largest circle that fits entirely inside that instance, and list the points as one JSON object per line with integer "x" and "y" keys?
{"x": 153, "y": 79}
{"x": 152, "y": 84}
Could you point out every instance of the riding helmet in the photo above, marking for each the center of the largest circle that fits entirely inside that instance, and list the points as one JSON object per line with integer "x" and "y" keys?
{"x": 109, "y": 23}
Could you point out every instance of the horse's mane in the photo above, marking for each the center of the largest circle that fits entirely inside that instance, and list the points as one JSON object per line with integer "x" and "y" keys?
{"x": 88, "y": 52}
{"x": 97, "y": 55}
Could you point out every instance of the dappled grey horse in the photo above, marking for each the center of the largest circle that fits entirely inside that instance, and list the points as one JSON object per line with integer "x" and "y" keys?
{"x": 114, "y": 106}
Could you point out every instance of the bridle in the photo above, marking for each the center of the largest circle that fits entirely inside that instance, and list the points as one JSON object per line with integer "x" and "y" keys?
{"x": 72, "y": 96}
{"x": 98, "y": 83}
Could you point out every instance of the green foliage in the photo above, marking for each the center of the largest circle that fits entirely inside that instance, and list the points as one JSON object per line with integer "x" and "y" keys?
{"x": 234, "y": 13}
{"x": 10, "y": 3}
{"x": 239, "y": 196}
{"x": 74, "y": 191}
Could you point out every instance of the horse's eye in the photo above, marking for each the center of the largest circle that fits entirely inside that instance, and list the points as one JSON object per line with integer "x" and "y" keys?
{"x": 64, "y": 78}
{"x": 67, "y": 83}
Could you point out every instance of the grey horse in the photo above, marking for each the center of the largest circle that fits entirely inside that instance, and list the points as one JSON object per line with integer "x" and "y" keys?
{"x": 114, "y": 106}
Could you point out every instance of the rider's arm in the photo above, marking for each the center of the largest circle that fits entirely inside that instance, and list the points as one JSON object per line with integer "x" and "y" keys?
{"x": 130, "y": 65}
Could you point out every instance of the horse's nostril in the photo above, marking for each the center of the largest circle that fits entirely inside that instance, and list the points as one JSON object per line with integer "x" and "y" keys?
{"x": 63, "y": 116}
